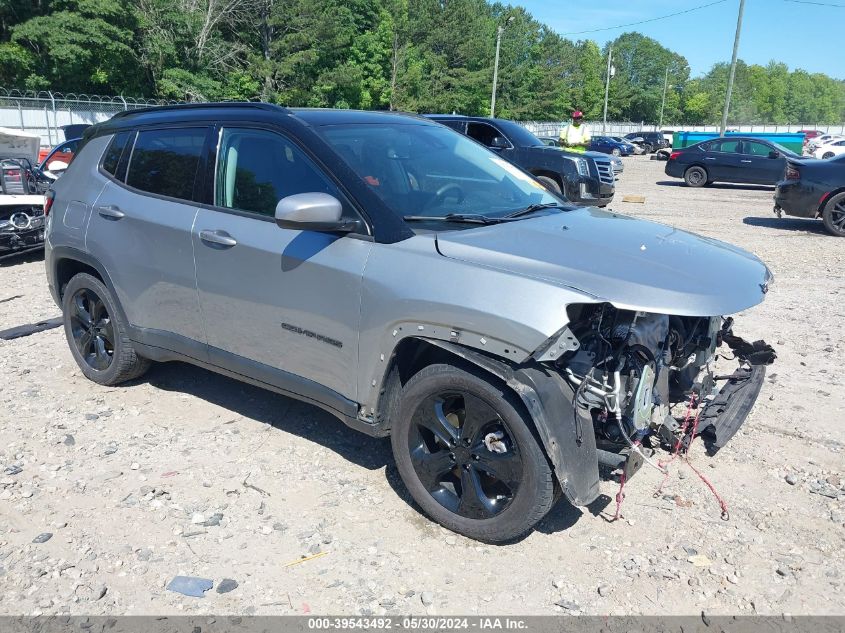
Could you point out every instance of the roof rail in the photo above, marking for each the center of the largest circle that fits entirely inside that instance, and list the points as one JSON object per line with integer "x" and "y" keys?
{"x": 260, "y": 105}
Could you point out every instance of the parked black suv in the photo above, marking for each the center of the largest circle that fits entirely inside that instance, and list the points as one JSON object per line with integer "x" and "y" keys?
{"x": 584, "y": 180}
{"x": 651, "y": 141}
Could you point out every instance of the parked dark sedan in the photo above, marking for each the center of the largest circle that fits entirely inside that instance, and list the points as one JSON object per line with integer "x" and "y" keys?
{"x": 608, "y": 145}
{"x": 583, "y": 179}
{"x": 649, "y": 141}
{"x": 730, "y": 159}
{"x": 814, "y": 189}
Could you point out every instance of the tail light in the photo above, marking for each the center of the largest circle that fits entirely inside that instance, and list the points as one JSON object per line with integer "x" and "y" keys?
{"x": 674, "y": 155}
{"x": 48, "y": 202}
{"x": 792, "y": 172}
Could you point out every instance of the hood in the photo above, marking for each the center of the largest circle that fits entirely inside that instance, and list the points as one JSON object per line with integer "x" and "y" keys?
{"x": 18, "y": 144}
{"x": 633, "y": 264}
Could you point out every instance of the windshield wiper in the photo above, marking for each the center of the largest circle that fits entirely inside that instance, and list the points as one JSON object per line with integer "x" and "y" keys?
{"x": 531, "y": 208}
{"x": 469, "y": 218}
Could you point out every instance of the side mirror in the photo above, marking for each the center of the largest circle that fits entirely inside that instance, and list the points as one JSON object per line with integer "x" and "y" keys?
{"x": 313, "y": 212}
{"x": 499, "y": 142}
{"x": 774, "y": 154}
{"x": 57, "y": 166}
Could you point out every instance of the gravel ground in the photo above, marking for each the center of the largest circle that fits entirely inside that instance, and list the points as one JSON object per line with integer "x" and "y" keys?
{"x": 189, "y": 473}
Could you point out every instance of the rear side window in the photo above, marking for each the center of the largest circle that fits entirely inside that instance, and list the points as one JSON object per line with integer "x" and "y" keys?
{"x": 111, "y": 159}
{"x": 165, "y": 162}
{"x": 725, "y": 147}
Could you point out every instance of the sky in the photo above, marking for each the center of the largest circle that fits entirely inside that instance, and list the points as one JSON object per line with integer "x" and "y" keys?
{"x": 801, "y": 35}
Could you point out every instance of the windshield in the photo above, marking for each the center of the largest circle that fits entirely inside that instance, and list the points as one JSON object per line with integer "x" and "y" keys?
{"x": 519, "y": 135}
{"x": 433, "y": 171}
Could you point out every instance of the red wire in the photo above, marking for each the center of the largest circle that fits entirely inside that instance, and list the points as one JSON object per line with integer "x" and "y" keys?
{"x": 620, "y": 497}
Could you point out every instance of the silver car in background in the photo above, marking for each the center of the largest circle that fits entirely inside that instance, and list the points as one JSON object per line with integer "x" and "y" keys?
{"x": 410, "y": 282}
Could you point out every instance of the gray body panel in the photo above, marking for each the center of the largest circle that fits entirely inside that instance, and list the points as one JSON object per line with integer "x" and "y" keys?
{"x": 288, "y": 299}
{"x": 149, "y": 255}
{"x": 633, "y": 264}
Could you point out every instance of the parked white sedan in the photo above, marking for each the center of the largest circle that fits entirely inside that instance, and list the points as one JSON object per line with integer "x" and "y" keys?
{"x": 830, "y": 149}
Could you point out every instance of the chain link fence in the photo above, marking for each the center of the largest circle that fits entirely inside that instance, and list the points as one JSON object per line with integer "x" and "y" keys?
{"x": 616, "y": 128}
{"x": 46, "y": 113}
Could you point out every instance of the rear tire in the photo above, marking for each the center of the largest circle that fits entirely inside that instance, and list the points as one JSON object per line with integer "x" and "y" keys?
{"x": 833, "y": 215}
{"x": 96, "y": 333}
{"x": 549, "y": 183}
{"x": 828, "y": 155}
{"x": 696, "y": 176}
{"x": 492, "y": 490}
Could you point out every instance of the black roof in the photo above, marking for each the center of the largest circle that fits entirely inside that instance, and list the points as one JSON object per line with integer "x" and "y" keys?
{"x": 258, "y": 111}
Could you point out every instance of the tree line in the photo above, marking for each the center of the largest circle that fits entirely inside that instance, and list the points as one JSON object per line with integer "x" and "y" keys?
{"x": 413, "y": 55}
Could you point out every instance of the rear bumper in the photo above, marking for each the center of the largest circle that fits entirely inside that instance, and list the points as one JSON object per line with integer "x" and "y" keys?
{"x": 674, "y": 169}
{"x": 794, "y": 198}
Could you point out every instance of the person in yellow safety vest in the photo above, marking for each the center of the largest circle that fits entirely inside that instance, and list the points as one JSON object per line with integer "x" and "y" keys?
{"x": 575, "y": 136}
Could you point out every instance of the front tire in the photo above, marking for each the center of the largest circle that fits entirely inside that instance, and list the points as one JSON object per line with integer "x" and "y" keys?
{"x": 549, "y": 183}
{"x": 616, "y": 151}
{"x": 695, "y": 176}
{"x": 828, "y": 155}
{"x": 833, "y": 215}
{"x": 96, "y": 333}
{"x": 466, "y": 452}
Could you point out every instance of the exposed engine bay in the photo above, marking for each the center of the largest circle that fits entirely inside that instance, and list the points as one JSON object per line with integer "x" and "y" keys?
{"x": 630, "y": 371}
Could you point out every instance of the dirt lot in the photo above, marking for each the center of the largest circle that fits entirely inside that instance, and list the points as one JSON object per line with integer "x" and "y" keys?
{"x": 188, "y": 473}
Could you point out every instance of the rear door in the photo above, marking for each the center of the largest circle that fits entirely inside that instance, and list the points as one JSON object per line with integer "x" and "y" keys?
{"x": 140, "y": 230}
{"x": 722, "y": 160}
{"x": 277, "y": 303}
{"x": 758, "y": 163}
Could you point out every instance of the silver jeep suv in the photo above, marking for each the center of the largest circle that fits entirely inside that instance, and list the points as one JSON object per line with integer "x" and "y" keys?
{"x": 411, "y": 282}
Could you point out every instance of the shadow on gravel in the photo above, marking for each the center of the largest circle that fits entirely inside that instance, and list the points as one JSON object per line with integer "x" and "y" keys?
{"x": 8, "y": 261}
{"x": 314, "y": 424}
{"x": 804, "y": 225}
{"x": 717, "y": 185}
{"x": 286, "y": 414}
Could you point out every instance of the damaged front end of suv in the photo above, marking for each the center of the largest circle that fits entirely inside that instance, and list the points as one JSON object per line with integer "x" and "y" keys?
{"x": 631, "y": 370}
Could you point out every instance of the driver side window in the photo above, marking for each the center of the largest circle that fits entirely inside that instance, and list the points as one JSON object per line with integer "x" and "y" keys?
{"x": 483, "y": 133}
{"x": 257, "y": 168}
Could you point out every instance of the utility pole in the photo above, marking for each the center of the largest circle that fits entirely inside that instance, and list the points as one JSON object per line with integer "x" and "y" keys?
{"x": 606, "y": 90}
{"x": 663, "y": 103}
{"x": 733, "y": 69}
{"x": 499, "y": 32}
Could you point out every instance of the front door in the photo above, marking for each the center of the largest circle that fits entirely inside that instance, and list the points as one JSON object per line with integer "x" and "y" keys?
{"x": 276, "y": 300}
{"x": 758, "y": 160}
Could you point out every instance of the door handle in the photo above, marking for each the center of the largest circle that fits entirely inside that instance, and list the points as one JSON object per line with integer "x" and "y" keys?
{"x": 110, "y": 211}
{"x": 218, "y": 238}
{"x": 709, "y": 158}
{"x": 745, "y": 161}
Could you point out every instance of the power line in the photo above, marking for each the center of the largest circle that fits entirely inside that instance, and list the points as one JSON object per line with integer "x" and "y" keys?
{"x": 818, "y": 4}
{"x": 662, "y": 17}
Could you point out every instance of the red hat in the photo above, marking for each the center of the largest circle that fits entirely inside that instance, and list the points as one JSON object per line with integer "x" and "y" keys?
{"x": 577, "y": 114}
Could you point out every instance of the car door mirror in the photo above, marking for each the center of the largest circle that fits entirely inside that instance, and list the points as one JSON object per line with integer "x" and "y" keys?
{"x": 313, "y": 212}
{"x": 499, "y": 142}
{"x": 774, "y": 154}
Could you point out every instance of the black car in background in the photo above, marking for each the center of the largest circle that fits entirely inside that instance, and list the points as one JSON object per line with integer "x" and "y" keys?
{"x": 584, "y": 180}
{"x": 814, "y": 189}
{"x": 649, "y": 141}
{"x": 731, "y": 159}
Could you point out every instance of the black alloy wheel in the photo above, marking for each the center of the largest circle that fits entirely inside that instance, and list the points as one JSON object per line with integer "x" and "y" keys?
{"x": 464, "y": 455}
{"x": 97, "y": 333}
{"x": 92, "y": 329}
{"x": 468, "y": 453}
{"x": 833, "y": 215}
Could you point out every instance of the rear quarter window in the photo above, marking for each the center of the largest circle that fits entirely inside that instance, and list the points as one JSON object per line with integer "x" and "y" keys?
{"x": 115, "y": 151}
{"x": 165, "y": 162}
